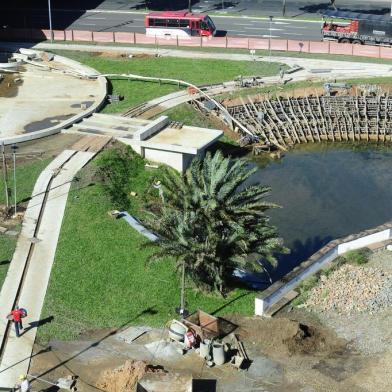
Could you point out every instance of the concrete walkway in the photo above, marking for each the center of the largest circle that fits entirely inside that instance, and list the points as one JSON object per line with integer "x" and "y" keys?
{"x": 42, "y": 221}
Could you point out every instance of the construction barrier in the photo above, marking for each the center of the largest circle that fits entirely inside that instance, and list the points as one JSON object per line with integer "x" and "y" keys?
{"x": 282, "y": 45}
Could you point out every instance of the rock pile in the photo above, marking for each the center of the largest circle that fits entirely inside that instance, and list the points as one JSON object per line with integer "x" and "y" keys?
{"x": 352, "y": 289}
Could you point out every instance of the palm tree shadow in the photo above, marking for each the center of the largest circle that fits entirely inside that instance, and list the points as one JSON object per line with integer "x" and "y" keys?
{"x": 300, "y": 251}
{"x": 216, "y": 311}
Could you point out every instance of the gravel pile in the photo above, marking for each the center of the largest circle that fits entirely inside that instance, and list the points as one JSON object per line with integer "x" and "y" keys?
{"x": 352, "y": 289}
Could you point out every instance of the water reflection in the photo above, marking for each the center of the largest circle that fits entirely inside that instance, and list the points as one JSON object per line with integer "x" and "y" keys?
{"x": 326, "y": 192}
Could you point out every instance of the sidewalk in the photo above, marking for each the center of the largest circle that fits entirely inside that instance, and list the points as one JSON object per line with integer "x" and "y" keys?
{"x": 17, "y": 352}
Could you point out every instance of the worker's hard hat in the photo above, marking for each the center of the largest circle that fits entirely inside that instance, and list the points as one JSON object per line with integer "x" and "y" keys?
{"x": 22, "y": 377}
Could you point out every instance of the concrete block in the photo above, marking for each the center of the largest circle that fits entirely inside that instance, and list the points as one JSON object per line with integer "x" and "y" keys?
{"x": 152, "y": 128}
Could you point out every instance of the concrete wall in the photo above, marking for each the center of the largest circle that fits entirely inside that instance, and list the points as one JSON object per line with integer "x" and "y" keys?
{"x": 172, "y": 159}
{"x": 151, "y": 128}
{"x": 320, "y": 259}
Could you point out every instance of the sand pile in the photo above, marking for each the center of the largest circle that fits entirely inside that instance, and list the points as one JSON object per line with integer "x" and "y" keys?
{"x": 124, "y": 378}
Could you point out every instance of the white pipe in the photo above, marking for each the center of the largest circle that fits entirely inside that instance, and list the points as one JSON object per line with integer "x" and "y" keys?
{"x": 182, "y": 82}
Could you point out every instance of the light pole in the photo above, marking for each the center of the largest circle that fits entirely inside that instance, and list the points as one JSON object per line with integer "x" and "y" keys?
{"x": 14, "y": 148}
{"x": 223, "y": 5}
{"x": 5, "y": 177}
{"x": 284, "y": 8}
{"x": 50, "y": 22}
{"x": 269, "y": 39}
{"x": 190, "y": 6}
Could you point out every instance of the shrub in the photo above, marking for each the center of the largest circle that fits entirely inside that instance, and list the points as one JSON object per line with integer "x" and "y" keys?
{"x": 304, "y": 289}
{"x": 358, "y": 257}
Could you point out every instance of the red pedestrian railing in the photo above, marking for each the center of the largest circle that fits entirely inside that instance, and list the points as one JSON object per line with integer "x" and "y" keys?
{"x": 301, "y": 46}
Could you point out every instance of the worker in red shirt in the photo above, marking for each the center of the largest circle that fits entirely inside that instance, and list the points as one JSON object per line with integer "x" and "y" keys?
{"x": 16, "y": 317}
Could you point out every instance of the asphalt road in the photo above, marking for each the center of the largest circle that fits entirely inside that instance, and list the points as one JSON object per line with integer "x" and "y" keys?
{"x": 124, "y": 15}
{"x": 134, "y": 22}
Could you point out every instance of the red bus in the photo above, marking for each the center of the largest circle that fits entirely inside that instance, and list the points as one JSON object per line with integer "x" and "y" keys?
{"x": 179, "y": 24}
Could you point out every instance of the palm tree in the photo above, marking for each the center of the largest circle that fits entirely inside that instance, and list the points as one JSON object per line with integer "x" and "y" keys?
{"x": 212, "y": 221}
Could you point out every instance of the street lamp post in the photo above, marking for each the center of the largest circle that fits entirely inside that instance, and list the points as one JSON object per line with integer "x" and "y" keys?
{"x": 50, "y": 21}
{"x": 269, "y": 39}
{"x": 14, "y": 148}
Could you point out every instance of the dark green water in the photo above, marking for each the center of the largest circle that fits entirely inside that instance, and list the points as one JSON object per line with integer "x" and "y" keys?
{"x": 327, "y": 192}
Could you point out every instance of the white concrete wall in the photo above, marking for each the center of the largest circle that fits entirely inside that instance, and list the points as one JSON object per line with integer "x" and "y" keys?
{"x": 262, "y": 303}
{"x": 364, "y": 241}
{"x": 172, "y": 159}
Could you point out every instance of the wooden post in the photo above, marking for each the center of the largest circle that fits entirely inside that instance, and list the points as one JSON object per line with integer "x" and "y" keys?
{"x": 114, "y": 36}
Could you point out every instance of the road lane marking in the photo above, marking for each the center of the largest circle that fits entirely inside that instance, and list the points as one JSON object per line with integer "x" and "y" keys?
{"x": 93, "y": 17}
{"x": 85, "y": 24}
{"x": 270, "y": 36}
{"x": 293, "y": 34}
{"x": 262, "y": 28}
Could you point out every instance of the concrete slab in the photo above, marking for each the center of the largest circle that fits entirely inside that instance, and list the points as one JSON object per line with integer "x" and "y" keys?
{"x": 132, "y": 333}
{"x": 24, "y": 109}
{"x": 186, "y": 137}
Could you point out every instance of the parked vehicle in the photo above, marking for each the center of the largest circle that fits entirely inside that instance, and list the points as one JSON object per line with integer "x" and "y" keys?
{"x": 361, "y": 29}
{"x": 179, "y": 24}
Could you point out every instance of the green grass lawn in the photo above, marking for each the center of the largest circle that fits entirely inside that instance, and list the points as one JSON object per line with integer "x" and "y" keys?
{"x": 263, "y": 53}
{"x": 26, "y": 176}
{"x": 7, "y": 248}
{"x": 186, "y": 114}
{"x": 199, "y": 72}
{"x": 101, "y": 277}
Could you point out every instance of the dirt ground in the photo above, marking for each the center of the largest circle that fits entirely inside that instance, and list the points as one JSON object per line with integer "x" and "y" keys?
{"x": 286, "y": 355}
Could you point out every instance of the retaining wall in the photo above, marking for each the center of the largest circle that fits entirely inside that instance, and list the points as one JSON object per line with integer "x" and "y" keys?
{"x": 320, "y": 259}
{"x": 328, "y": 47}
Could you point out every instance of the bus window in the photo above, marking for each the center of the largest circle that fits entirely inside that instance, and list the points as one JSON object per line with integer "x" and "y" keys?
{"x": 172, "y": 23}
{"x": 184, "y": 23}
{"x": 160, "y": 22}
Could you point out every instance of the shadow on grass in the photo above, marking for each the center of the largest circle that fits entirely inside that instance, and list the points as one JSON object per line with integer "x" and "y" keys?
{"x": 216, "y": 311}
{"x": 36, "y": 324}
{"x": 5, "y": 262}
{"x": 150, "y": 311}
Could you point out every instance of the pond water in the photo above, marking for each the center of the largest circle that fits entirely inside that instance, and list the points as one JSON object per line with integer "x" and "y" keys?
{"x": 326, "y": 192}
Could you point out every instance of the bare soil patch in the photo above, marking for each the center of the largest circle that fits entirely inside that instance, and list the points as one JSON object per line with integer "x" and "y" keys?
{"x": 282, "y": 336}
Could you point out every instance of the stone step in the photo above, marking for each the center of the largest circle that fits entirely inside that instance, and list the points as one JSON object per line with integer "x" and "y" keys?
{"x": 127, "y": 120}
